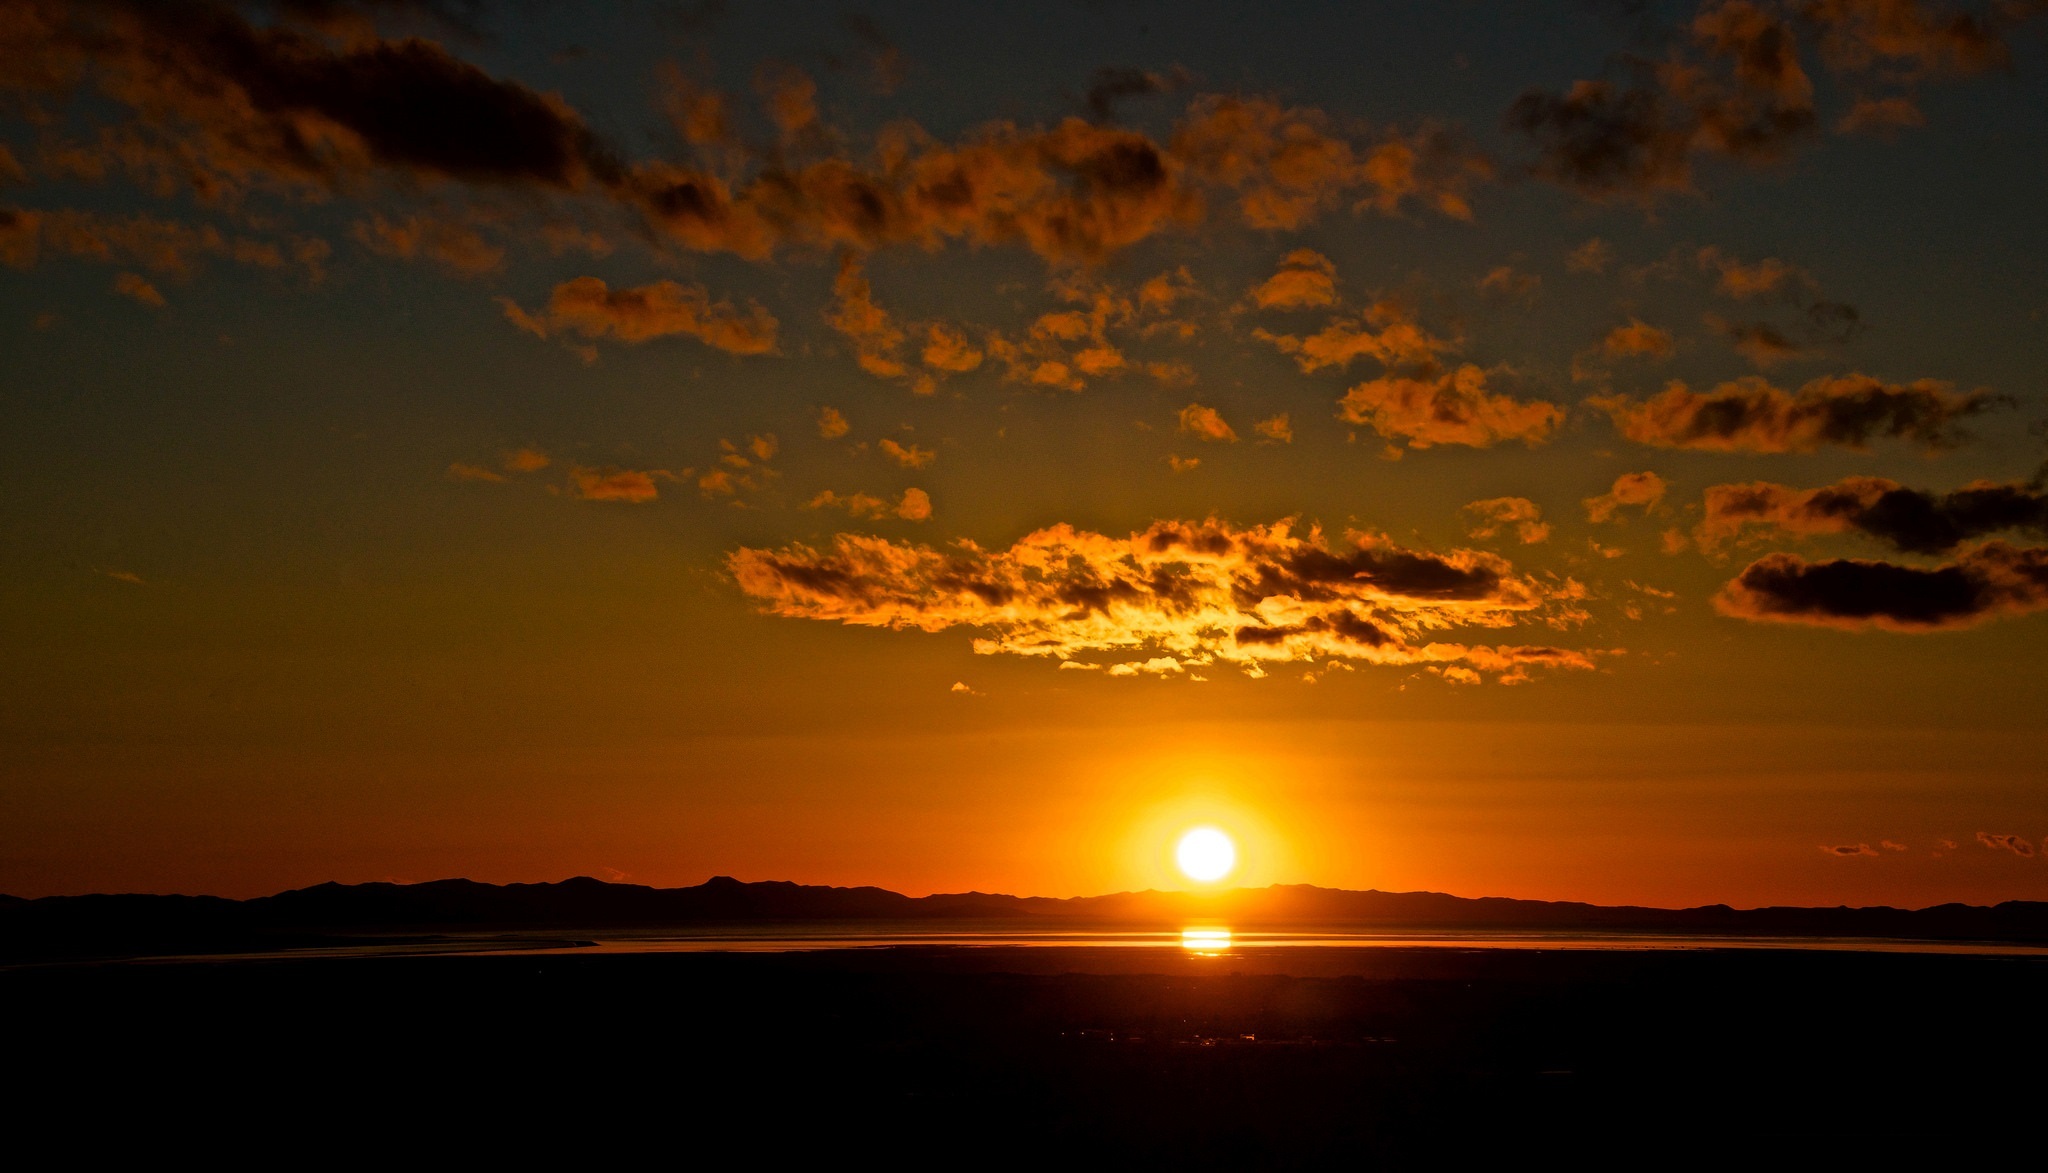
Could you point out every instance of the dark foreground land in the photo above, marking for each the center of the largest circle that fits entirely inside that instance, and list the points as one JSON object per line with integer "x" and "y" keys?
{"x": 975, "y": 1058}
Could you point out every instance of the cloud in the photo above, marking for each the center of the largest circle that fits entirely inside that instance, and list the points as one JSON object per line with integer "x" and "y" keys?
{"x": 588, "y": 307}
{"x": 527, "y": 460}
{"x": 1751, "y": 415}
{"x": 1889, "y": 845}
{"x": 1881, "y": 116}
{"x": 876, "y": 339}
{"x": 1991, "y": 581}
{"x": 1198, "y": 592}
{"x": 1276, "y": 429}
{"x": 1487, "y": 518}
{"x": 831, "y": 424}
{"x": 1183, "y": 463}
{"x": 914, "y": 505}
{"x": 1630, "y": 489}
{"x": 216, "y": 104}
{"x": 1286, "y": 165}
{"x": 1850, "y": 850}
{"x": 1450, "y": 408}
{"x": 1506, "y": 281}
{"x": 1637, "y": 340}
{"x": 1111, "y": 84}
{"x": 909, "y": 456}
{"x": 1305, "y": 279}
{"x": 472, "y": 472}
{"x": 614, "y": 484}
{"x": 159, "y": 245}
{"x": 1735, "y": 85}
{"x": 1590, "y": 257}
{"x": 131, "y": 285}
{"x": 1386, "y": 333}
{"x": 1760, "y": 342}
{"x": 1739, "y": 279}
{"x": 1205, "y": 423}
{"x": 454, "y": 246}
{"x": 2013, "y": 843}
{"x": 947, "y": 349}
{"x": 1909, "y": 520}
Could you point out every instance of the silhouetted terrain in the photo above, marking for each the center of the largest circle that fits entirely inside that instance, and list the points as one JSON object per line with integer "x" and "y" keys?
{"x": 1071, "y": 1058}
{"x": 80, "y": 926}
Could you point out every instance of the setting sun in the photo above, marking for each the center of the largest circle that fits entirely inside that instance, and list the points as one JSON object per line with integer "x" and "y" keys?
{"x": 1206, "y": 855}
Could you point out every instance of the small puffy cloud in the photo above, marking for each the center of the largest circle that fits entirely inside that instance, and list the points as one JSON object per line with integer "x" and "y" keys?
{"x": 1740, "y": 279}
{"x": 1762, "y": 343}
{"x": 587, "y": 306}
{"x": 1276, "y": 429}
{"x": 1910, "y": 520}
{"x": 614, "y": 484}
{"x": 1450, "y": 408}
{"x": 1192, "y": 592}
{"x": 1637, "y": 339}
{"x": 907, "y": 455}
{"x": 131, "y": 285}
{"x": 857, "y": 504}
{"x": 2013, "y": 843}
{"x": 1158, "y": 295}
{"x": 1751, "y": 415}
{"x": 1643, "y": 489}
{"x": 1506, "y": 281}
{"x": 1485, "y": 519}
{"x": 1890, "y": 845}
{"x": 1305, "y": 279}
{"x": 1849, "y": 850}
{"x": 914, "y": 505}
{"x": 960, "y": 689}
{"x": 1205, "y": 423}
{"x": 1591, "y": 257}
{"x": 472, "y": 472}
{"x": 527, "y": 460}
{"x": 947, "y": 349}
{"x": 832, "y": 424}
{"x": 1183, "y": 463}
{"x": 1991, "y": 581}
{"x": 127, "y": 576}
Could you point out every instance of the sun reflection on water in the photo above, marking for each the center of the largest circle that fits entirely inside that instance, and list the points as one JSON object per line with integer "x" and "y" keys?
{"x": 1205, "y": 942}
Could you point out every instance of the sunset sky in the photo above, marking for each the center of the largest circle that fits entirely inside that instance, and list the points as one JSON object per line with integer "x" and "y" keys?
{"x": 1587, "y": 450}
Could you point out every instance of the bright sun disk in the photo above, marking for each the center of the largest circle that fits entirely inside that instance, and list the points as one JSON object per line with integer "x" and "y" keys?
{"x": 1205, "y": 854}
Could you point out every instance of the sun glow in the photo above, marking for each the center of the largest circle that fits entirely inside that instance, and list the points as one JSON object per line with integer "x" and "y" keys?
{"x": 1205, "y": 855}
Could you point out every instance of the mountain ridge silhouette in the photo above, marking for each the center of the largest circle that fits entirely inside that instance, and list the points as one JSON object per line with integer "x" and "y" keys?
{"x": 334, "y": 912}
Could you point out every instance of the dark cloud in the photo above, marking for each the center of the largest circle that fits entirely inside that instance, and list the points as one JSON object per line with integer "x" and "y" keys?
{"x": 1848, "y": 850}
{"x": 1735, "y": 85}
{"x": 1910, "y": 520}
{"x": 1751, "y": 415}
{"x": 589, "y": 307}
{"x": 1111, "y": 84}
{"x": 217, "y": 103}
{"x": 2013, "y": 843}
{"x": 1991, "y": 581}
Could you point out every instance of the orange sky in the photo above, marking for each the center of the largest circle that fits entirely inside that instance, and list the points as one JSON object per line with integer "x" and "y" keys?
{"x": 1586, "y": 456}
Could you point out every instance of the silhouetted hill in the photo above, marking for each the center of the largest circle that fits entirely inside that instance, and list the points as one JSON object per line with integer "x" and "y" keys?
{"x": 333, "y": 913}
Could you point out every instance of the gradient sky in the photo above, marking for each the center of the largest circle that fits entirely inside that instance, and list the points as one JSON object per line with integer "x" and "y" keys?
{"x": 1583, "y": 450}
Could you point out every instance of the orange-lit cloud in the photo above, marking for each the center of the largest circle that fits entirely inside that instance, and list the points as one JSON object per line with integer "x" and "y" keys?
{"x": 472, "y": 472}
{"x": 913, "y": 505}
{"x": 2016, "y": 844}
{"x": 1643, "y": 489}
{"x": 1276, "y": 429}
{"x": 1450, "y": 408}
{"x": 454, "y": 246}
{"x": 527, "y": 460}
{"x": 1386, "y": 333}
{"x": 907, "y": 455}
{"x": 587, "y": 306}
{"x": 1637, "y": 340}
{"x": 1205, "y": 423}
{"x": 1751, "y": 415}
{"x": 1991, "y": 581}
{"x": 1741, "y": 279}
{"x": 1305, "y": 279}
{"x": 1192, "y": 592}
{"x": 1850, "y": 850}
{"x": 875, "y": 337}
{"x": 133, "y": 286}
{"x": 614, "y": 484}
{"x": 832, "y": 424}
{"x": 1590, "y": 257}
{"x": 1485, "y": 519}
{"x": 160, "y": 245}
{"x": 1506, "y": 281}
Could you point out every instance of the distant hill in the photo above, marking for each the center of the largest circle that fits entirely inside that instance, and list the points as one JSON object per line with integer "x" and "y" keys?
{"x": 131, "y": 925}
